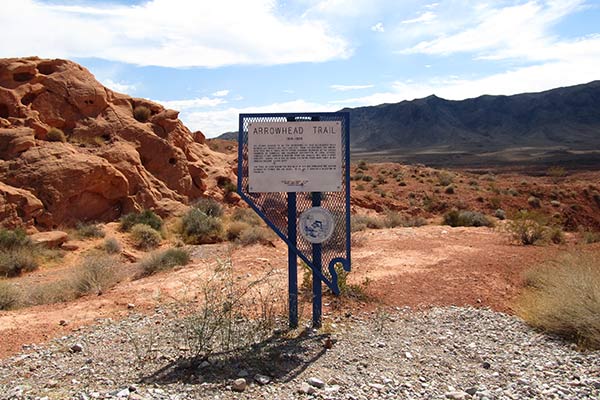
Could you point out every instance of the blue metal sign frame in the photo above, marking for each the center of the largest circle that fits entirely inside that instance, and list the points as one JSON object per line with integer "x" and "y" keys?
{"x": 282, "y": 217}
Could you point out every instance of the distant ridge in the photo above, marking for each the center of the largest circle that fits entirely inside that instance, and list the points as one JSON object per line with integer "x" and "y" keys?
{"x": 558, "y": 126}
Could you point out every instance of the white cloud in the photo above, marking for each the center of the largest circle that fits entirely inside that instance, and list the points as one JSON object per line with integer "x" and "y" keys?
{"x": 168, "y": 33}
{"x": 425, "y": 17}
{"x": 221, "y": 93}
{"x": 214, "y": 123}
{"x": 505, "y": 32}
{"x": 182, "y": 105}
{"x": 345, "y": 88}
{"x": 120, "y": 87}
{"x": 378, "y": 27}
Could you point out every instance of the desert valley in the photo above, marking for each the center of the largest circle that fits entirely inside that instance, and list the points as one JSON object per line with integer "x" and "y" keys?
{"x": 131, "y": 268}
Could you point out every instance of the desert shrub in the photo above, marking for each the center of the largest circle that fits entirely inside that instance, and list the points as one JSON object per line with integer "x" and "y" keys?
{"x": 235, "y": 229}
{"x": 589, "y": 236}
{"x": 14, "y": 262}
{"x": 528, "y": 227}
{"x": 367, "y": 178}
{"x": 13, "y": 239}
{"x": 534, "y": 202}
{"x": 246, "y": 215}
{"x": 95, "y": 275}
{"x": 556, "y": 173}
{"x": 51, "y": 292}
{"x": 449, "y": 189}
{"x": 563, "y": 297}
{"x": 146, "y": 217}
{"x": 112, "y": 246}
{"x": 144, "y": 237}
{"x": 164, "y": 260}
{"x": 227, "y": 186}
{"x": 362, "y": 165}
{"x": 354, "y": 291}
{"x": 445, "y": 178}
{"x": 142, "y": 113}
{"x": 224, "y": 321}
{"x": 255, "y": 234}
{"x": 9, "y": 296}
{"x": 394, "y": 219}
{"x": 199, "y": 228}
{"x": 456, "y": 218}
{"x": 89, "y": 231}
{"x": 361, "y": 222}
{"x": 360, "y": 187}
{"x": 209, "y": 206}
{"x": 556, "y": 235}
{"x": 500, "y": 214}
{"x": 56, "y": 135}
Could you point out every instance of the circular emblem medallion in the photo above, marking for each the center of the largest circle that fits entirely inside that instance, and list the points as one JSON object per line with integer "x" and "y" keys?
{"x": 316, "y": 225}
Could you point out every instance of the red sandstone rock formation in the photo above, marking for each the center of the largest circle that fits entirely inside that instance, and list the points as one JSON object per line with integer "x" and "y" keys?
{"x": 110, "y": 164}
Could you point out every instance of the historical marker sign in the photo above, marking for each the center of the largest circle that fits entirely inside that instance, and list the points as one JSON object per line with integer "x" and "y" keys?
{"x": 302, "y": 156}
{"x": 294, "y": 171}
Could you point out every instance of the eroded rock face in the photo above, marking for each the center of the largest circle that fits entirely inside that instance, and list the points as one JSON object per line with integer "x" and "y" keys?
{"x": 110, "y": 164}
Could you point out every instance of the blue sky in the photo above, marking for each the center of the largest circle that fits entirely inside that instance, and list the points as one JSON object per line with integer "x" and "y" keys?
{"x": 214, "y": 59}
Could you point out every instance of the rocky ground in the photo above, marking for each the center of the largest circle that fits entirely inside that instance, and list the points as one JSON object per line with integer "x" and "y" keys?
{"x": 449, "y": 352}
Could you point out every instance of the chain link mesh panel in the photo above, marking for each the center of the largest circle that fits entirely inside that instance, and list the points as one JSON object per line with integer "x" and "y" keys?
{"x": 273, "y": 207}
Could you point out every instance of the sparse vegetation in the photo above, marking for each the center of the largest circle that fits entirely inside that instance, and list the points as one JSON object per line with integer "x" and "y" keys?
{"x": 209, "y": 206}
{"x": 89, "y": 231}
{"x": 199, "y": 227}
{"x": 362, "y": 165}
{"x": 562, "y": 297}
{"x": 394, "y": 219}
{"x": 456, "y": 218}
{"x": 9, "y": 296}
{"x": 13, "y": 239}
{"x": 146, "y": 217}
{"x": 556, "y": 173}
{"x": 528, "y": 227}
{"x": 56, "y": 135}
{"x": 142, "y": 113}
{"x": 17, "y": 253}
{"x": 589, "y": 236}
{"x": 500, "y": 214}
{"x": 164, "y": 260}
{"x": 95, "y": 275}
{"x": 144, "y": 237}
{"x": 534, "y": 202}
{"x": 445, "y": 178}
{"x": 112, "y": 246}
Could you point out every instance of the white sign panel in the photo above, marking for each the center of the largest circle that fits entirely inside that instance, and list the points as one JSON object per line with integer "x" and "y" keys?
{"x": 300, "y": 156}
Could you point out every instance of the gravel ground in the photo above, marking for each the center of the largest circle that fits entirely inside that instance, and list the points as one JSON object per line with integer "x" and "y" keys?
{"x": 451, "y": 352}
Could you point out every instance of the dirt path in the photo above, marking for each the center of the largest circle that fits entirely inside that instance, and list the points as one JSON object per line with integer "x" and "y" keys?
{"x": 430, "y": 265}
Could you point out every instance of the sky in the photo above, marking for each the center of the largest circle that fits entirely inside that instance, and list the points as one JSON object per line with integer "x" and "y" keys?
{"x": 212, "y": 60}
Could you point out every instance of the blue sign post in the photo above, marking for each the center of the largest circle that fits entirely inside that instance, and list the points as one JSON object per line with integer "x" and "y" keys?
{"x": 294, "y": 171}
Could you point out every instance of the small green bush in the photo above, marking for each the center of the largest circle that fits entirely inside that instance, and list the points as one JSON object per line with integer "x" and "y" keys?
{"x": 562, "y": 297}
{"x": 142, "y": 113}
{"x": 534, "y": 202}
{"x": 209, "y": 206}
{"x": 56, "y": 135}
{"x": 362, "y": 165}
{"x": 445, "y": 178}
{"x": 87, "y": 231}
{"x": 449, "y": 189}
{"x": 528, "y": 227}
{"x": 13, "y": 239}
{"x": 112, "y": 246}
{"x": 164, "y": 260}
{"x": 200, "y": 228}
{"x": 456, "y": 218}
{"x": 9, "y": 296}
{"x": 146, "y": 217}
{"x": 14, "y": 262}
{"x": 144, "y": 237}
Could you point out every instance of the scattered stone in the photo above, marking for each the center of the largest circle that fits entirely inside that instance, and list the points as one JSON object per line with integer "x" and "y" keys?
{"x": 63, "y": 322}
{"x": 239, "y": 385}
{"x": 471, "y": 391}
{"x": 486, "y": 365}
{"x": 408, "y": 355}
{"x": 76, "y": 348}
{"x": 243, "y": 374}
{"x": 316, "y": 382}
{"x": 130, "y": 306}
{"x": 51, "y": 239}
{"x": 71, "y": 245}
{"x": 262, "y": 379}
{"x": 377, "y": 386}
{"x": 305, "y": 388}
{"x": 458, "y": 395}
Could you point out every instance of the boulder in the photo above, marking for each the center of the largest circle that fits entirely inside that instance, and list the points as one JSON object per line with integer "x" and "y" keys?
{"x": 51, "y": 239}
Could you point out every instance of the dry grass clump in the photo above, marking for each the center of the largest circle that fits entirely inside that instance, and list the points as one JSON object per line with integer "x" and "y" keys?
{"x": 563, "y": 297}
{"x": 56, "y": 135}
{"x": 146, "y": 217}
{"x": 589, "y": 236}
{"x": 456, "y": 218}
{"x": 144, "y": 237}
{"x": 164, "y": 260}
{"x": 393, "y": 219}
{"x": 17, "y": 253}
{"x": 9, "y": 296}
{"x": 530, "y": 227}
{"x": 112, "y": 246}
{"x": 95, "y": 275}
{"x": 142, "y": 113}
{"x": 89, "y": 231}
{"x": 360, "y": 222}
{"x": 247, "y": 228}
{"x": 209, "y": 206}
